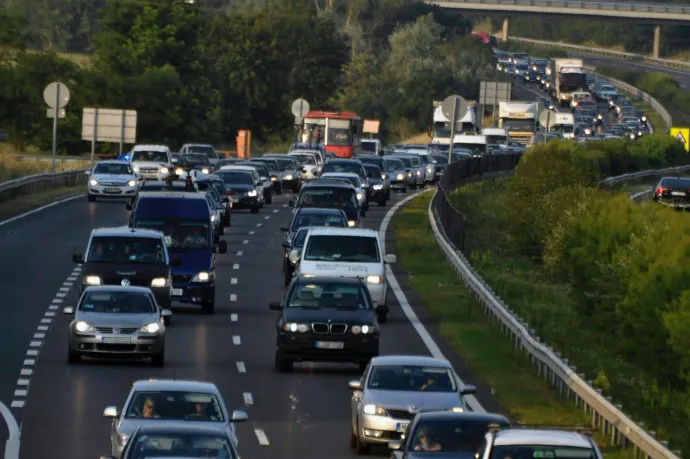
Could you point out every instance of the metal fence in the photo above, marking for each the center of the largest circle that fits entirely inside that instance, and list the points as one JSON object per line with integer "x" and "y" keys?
{"x": 449, "y": 228}
{"x": 41, "y": 182}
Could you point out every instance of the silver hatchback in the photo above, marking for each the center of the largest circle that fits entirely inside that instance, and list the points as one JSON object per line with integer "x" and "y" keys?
{"x": 111, "y": 320}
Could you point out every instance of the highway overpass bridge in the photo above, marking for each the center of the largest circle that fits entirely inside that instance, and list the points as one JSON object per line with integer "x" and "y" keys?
{"x": 654, "y": 13}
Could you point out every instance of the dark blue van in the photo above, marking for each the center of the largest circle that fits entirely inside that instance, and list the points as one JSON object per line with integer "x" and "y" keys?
{"x": 185, "y": 221}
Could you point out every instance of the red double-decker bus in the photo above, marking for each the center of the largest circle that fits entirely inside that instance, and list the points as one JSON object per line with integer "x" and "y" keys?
{"x": 339, "y": 132}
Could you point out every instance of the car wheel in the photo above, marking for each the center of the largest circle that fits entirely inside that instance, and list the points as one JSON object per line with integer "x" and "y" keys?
{"x": 208, "y": 307}
{"x": 360, "y": 447}
{"x": 73, "y": 357}
{"x": 288, "y": 277}
{"x": 269, "y": 198}
{"x": 282, "y": 364}
{"x": 255, "y": 210}
{"x": 158, "y": 360}
{"x": 91, "y": 197}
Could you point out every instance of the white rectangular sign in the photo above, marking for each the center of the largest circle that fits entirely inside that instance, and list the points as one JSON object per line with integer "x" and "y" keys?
{"x": 109, "y": 125}
{"x": 50, "y": 113}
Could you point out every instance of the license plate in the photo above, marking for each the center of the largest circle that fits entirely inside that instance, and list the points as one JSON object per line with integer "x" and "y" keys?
{"x": 112, "y": 190}
{"x": 401, "y": 427}
{"x": 177, "y": 292}
{"x": 677, "y": 193}
{"x": 329, "y": 344}
{"x": 117, "y": 340}
{"x": 234, "y": 199}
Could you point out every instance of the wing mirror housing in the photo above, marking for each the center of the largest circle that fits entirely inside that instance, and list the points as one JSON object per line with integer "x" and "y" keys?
{"x": 275, "y": 306}
{"x": 177, "y": 261}
{"x": 355, "y": 384}
{"x": 78, "y": 258}
{"x": 166, "y": 313}
{"x": 285, "y": 244}
{"x": 284, "y": 228}
{"x": 111, "y": 412}
{"x": 382, "y": 309}
{"x": 394, "y": 445}
{"x": 68, "y": 310}
{"x": 468, "y": 390}
{"x": 222, "y": 247}
{"x": 291, "y": 203}
{"x": 391, "y": 258}
{"x": 87, "y": 172}
{"x": 239, "y": 416}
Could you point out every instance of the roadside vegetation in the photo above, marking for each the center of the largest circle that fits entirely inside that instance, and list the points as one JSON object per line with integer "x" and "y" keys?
{"x": 27, "y": 202}
{"x": 13, "y": 167}
{"x": 600, "y": 278}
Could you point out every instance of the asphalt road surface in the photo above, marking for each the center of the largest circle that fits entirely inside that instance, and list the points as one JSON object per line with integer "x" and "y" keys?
{"x": 59, "y": 406}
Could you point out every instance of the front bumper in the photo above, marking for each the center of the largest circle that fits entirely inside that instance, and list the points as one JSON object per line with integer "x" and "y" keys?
{"x": 184, "y": 291}
{"x": 378, "y": 195}
{"x": 245, "y": 202}
{"x": 375, "y": 429}
{"x": 157, "y": 175}
{"x": 398, "y": 185}
{"x": 293, "y": 182}
{"x": 136, "y": 346}
{"x": 114, "y": 192}
{"x": 302, "y": 347}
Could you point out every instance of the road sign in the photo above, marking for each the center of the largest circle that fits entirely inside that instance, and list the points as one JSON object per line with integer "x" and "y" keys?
{"x": 547, "y": 119}
{"x": 371, "y": 126}
{"x": 300, "y": 107}
{"x": 56, "y": 95}
{"x": 454, "y": 105}
{"x": 493, "y": 92}
{"x": 682, "y": 135}
{"x": 108, "y": 125}
{"x": 50, "y": 113}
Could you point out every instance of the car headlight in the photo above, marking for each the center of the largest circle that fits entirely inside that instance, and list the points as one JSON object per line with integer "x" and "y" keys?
{"x": 251, "y": 194}
{"x": 204, "y": 171}
{"x": 288, "y": 177}
{"x": 374, "y": 280}
{"x": 213, "y": 218}
{"x": 179, "y": 171}
{"x": 92, "y": 280}
{"x": 400, "y": 177}
{"x": 365, "y": 185}
{"x": 164, "y": 170}
{"x": 419, "y": 172}
{"x": 384, "y": 176}
{"x": 273, "y": 178}
{"x": 202, "y": 277}
{"x": 351, "y": 223}
{"x": 644, "y": 118}
{"x": 639, "y": 133}
{"x": 632, "y": 136}
{"x": 136, "y": 168}
{"x": 295, "y": 327}
{"x": 132, "y": 183}
{"x": 409, "y": 174}
{"x": 457, "y": 409}
{"x": 588, "y": 131}
{"x": 150, "y": 328}
{"x": 293, "y": 256}
{"x": 376, "y": 410}
{"x": 600, "y": 116}
{"x": 429, "y": 170}
{"x": 83, "y": 327}
{"x": 359, "y": 195}
{"x": 378, "y": 187}
{"x": 159, "y": 282}
{"x": 548, "y": 85}
{"x": 93, "y": 182}
{"x": 363, "y": 329}
{"x": 122, "y": 439}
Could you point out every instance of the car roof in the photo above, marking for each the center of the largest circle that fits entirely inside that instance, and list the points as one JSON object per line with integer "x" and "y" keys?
{"x": 342, "y": 160}
{"x": 150, "y": 147}
{"x": 354, "y": 232}
{"x": 468, "y": 415}
{"x": 111, "y": 161}
{"x": 331, "y": 279}
{"x": 197, "y": 145}
{"x": 171, "y": 194}
{"x": 325, "y": 183}
{"x": 116, "y": 288}
{"x": 236, "y": 167}
{"x": 410, "y": 360}
{"x": 545, "y": 437}
{"x": 181, "y": 427}
{"x": 126, "y": 231}
{"x": 175, "y": 385}
{"x": 340, "y": 174}
{"x": 319, "y": 210}
{"x": 174, "y": 183}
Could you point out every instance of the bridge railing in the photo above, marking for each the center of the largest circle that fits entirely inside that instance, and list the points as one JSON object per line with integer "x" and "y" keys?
{"x": 449, "y": 227}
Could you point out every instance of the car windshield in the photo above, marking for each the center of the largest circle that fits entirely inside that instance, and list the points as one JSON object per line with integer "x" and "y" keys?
{"x": 180, "y": 234}
{"x": 305, "y": 159}
{"x": 352, "y": 167}
{"x": 322, "y": 294}
{"x": 318, "y": 219}
{"x": 175, "y": 405}
{"x": 126, "y": 250}
{"x": 369, "y": 146}
{"x": 375, "y": 160}
{"x": 150, "y": 156}
{"x": 562, "y": 128}
{"x": 113, "y": 169}
{"x": 440, "y": 159}
{"x": 394, "y": 165}
{"x": 450, "y": 435}
{"x": 342, "y": 248}
{"x": 196, "y": 159}
{"x": 542, "y": 452}
{"x": 112, "y": 302}
{"x": 406, "y": 162}
{"x": 271, "y": 165}
{"x": 327, "y": 197}
{"x": 286, "y": 164}
{"x": 235, "y": 177}
{"x": 261, "y": 169}
{"x": 373, "y": 171}
{"x": 206, "y": 150}
{"x": 411, "y": 378}
{"x": 184, "y": 445}
{"x": 354, "y": 180}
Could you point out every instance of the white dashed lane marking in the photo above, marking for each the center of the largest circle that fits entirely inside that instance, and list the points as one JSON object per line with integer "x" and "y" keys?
{"x": 275, "y": 211}
{"x": 259, "y": 225}
{"x": 285, "y": 205}
{"x": 261, "y": 436}
{"x": 236, "y": 266}
{"x": 245, "y": 242}
{"x": 236, "y": 340}
{"x": 267, "y": 217}
{"x": 233, "y": 297}
{"x": 233, "y": 281}
{"x": 233, "y": 317}
{"x": 248, "y": 400}
{"x": 241, "y": 368}
{"x": 239, "y": 253}
{"x": 251, "y": 233}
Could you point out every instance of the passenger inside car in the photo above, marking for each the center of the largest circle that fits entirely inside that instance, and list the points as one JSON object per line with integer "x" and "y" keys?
{"x": 424, "y": 443}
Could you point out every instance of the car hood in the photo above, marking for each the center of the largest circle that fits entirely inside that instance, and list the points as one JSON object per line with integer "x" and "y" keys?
{"x": 97, "y": 319}
{"x": 113, "y": 177}
{"x": 354, "y": 317}
{"x": 423, "y": 401}
{"x": 194, "y": 261}
{"x": 129, "y": 426}
{"x": 149, "y": 164}
{"x": 439, "y": 455}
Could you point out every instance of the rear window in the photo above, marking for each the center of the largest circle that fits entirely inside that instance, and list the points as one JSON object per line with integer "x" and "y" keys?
{"x": 171, "y": 207}
{"x": 369, "y": 146}
{"x": 355, "y": 181}
{"x": 363, "y": 249}
{"x": 150, "y": 156}
{"x": 352, "y": 167}
{"x": 314, "y": 219}
{"x": 676, "y": 183}
{"x": 327, "y": 197}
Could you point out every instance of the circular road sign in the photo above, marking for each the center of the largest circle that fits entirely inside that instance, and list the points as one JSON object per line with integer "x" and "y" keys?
{"x": 449, "y": 103}
{"x": 50, "y": 95}
{"x": 300, "y": 107}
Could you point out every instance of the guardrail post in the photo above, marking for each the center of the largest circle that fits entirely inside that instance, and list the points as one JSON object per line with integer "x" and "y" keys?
{"x": 657, "y": 41}
{"x": 506, "y": 28}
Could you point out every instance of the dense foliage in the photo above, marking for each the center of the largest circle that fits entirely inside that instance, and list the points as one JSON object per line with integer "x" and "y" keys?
{"x": 199, "y": 72}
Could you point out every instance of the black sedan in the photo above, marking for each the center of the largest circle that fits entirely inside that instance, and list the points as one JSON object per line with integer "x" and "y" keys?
{"x": 673, "y": 192}
{"x": 242, "y": 190}
{"x": 315, "y": 216}
{"x": 379, "y": 192}
{"x": 196, "y": 162}
{"x": 326, "y": 319}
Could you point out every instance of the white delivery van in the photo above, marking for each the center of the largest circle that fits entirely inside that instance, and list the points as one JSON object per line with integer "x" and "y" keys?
{"x": 347, "y": 252}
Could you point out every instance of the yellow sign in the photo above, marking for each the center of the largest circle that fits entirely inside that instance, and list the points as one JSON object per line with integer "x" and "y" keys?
{"x": 517, "y": 115}
{"x": 683, "y": 135}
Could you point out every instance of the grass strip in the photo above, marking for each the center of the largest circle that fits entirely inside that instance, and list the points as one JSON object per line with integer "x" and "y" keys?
{"x": 31, "y": 201}
{"x": 517, "y": 387}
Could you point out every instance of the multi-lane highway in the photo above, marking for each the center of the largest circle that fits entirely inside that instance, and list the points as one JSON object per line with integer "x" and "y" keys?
{"x": 59, "y": 406}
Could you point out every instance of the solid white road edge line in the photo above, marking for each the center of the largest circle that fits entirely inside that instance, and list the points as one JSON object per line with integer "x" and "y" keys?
{"x": 38, "y": 209}
{"x": 429, "y": 342}
{"x": 12, "y": 443}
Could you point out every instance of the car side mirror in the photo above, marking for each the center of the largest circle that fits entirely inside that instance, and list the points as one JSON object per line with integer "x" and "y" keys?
{"x": 382, "y": 309}
{"x": 275, "y": 306}
{"x": 129, "y": 206}
{"x": 391, "y": 258}
{"x": 284, "y": 228}
{"x": 291, "y": 203}
{"x": 239, "y": 416}
{"x": 285, "y": 244}
{"x": 394, "y": 445}
{"x": 166, "y": 313}
{"x": 468, "y": 390}
{"x": 111, "y": 412}
{"x": 355, "y": 384}
{"x": 68, "y": 310}
{"x": 87, "y": 172}
{"x": 222, "y": 247}
{"x": 78, "y": 258}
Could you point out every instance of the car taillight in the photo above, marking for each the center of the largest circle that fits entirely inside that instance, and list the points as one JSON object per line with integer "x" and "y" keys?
{"x": 231, "y": 193}
{"x": 661, "y": 189}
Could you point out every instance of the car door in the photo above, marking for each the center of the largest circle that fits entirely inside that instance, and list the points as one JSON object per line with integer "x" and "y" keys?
{"x": 358, "y": 398}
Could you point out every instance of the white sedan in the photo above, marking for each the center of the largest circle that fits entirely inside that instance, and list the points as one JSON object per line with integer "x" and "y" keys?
{"x": 111, "y": 179}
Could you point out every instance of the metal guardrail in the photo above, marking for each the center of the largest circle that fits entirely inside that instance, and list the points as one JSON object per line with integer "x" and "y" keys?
{"x": 41, "y": 182}
{"x": 448, "y": 227}
{"x": 620, "y": 55}
{"x": 642, "y": 175}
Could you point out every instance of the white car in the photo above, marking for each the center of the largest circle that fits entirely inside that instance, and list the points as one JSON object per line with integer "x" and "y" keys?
{"x": 356, "y": 181}
{"x": 152, "y": 162}
{"x": 111, "y": 179}
{"x": 309, "y": 162}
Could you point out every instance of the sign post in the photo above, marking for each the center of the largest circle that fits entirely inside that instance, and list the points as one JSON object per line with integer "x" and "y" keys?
{"x": 454, "y": 108}
{"x": 682, "y": 134}
{"x": 56, "y": 96}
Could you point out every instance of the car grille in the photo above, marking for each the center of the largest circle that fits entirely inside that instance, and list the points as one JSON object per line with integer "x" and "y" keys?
{"x": 181, "y": 279}
{"x": 333, "y": 329}
{"x": 401, "y": 414}
{"x": 123, "y": 331}
{"x": 132, "y": 282}
{"x": 149, "y": 170}
{"x": 113, "y": 184}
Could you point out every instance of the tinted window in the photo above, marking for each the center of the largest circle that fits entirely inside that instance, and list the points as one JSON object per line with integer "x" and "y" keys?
{"x": 363, "y": 249}
{"x": 118, "y": 303}
{"x": 261, "y": 169}
{"x": 196, "y": 159}
{"x": 328, "y": 295}
{"x": 236, "y": 178}
{"x": 542, "y": 452}
{"x": 676, "y": 183}
{"x": 372, "y": 171}
{"x": 440, "y": 159}
{"x": 113, "y": 168}
{"x": 412, "y": 378}
{"x": 352, "y": 167}
{"x": 327, "y": 197}
{"x": 179, "y": 405}
{"x": 152, "y": 156}
{"x": 286, "y": 164}
{"x": 375, "y": 161}
{"x": 181, "y": 445}
{"x": 369, "y": 146}
{"x": 394, "y": 164}
{"x": 355, "y": 181}
{"x": 406, "y": 162}
{"x": 205, "y": 150}
{"x": 179, "y": 233}
{"x": 126, "y": 250}
{"x": 271, "y": 165}
{"x": 450, "y": 435}
{"x": 313, "y": 219}
{"x": 305, "y": 159}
